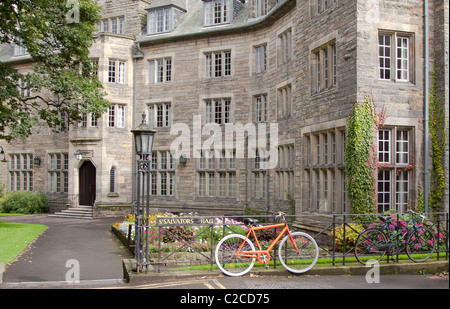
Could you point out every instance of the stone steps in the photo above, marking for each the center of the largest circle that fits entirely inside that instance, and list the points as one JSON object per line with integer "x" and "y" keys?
{"x": 80, "y": 212}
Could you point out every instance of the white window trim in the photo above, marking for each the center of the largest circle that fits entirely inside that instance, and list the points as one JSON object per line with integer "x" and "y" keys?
{"x": 160, "y": 20}
{"x": 153, "y": 112}
{"x": 214, "y": 69}
{"x": 116, "y": 71}
{"x": 116, "y": 114}
{"x": 226, "y": 11}
{"x": 154, "y": 76}
{"x": 407, "y": 74}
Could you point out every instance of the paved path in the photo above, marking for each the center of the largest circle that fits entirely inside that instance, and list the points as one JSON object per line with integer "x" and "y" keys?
{"x": 90, "y": 242}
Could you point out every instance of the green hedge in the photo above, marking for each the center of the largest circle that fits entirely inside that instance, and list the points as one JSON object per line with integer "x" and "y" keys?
{"x": 24, "y": 202}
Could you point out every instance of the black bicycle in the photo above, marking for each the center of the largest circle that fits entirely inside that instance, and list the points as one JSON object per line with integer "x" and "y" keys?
{"x": 417, "y": 241}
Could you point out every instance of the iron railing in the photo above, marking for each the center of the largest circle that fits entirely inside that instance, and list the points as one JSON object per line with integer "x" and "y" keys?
{"x": 323, "y": 228}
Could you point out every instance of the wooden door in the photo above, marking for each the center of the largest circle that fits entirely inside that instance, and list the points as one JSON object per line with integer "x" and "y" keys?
{"x": 87, "y": 181}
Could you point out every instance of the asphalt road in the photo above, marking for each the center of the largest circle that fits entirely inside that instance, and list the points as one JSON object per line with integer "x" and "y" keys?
{"x": 100, "y": 254}
{"x": 251, "y": 283}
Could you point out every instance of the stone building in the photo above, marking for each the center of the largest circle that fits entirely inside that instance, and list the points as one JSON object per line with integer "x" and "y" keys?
{"x": 240, "y": 78}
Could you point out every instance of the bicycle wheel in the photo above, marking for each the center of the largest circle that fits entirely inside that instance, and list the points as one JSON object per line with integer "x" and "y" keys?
{"x": 302, "y": 261}
{"x": 367, "y": 245}
{"x": 420, "y": 245}
{"x": 229, "y": 264}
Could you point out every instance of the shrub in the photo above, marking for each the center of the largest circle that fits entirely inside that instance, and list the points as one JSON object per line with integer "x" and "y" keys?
{"x": 352, "y": 231}
{"x": 24, "y": 202}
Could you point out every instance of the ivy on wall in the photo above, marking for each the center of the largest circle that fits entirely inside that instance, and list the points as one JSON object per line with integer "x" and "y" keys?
{"x": 439, "y": 137}
{"x": 359, "y": 166}
{"x": 360, "y": 157}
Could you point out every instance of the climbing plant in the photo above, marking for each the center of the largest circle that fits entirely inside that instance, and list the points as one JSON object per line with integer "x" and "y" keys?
{"x": 360, "y": 161}
{"x": 439, "y": 136}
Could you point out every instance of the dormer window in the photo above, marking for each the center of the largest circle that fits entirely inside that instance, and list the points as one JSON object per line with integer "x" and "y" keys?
{"x": 217, "y": 12}
{"x": 160, "y": 20}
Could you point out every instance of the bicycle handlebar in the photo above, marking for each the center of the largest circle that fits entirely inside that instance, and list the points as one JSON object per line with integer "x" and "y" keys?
{"x": 417, "y": 213}
{"x": 279, "y": 214}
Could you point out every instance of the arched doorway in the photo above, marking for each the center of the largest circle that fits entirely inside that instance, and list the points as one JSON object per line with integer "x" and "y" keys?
{"x": 87, "y": 181}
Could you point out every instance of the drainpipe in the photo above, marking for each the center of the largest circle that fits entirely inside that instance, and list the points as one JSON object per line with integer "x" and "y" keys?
{"x": 134, "y": 166}
{"x": 425, "y": 107}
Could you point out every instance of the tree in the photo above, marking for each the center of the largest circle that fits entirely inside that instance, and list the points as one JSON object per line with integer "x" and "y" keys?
{"x": 57, "y": 35}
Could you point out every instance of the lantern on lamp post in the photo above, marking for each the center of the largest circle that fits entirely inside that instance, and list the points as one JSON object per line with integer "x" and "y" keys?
{"x": 143, "y": 136}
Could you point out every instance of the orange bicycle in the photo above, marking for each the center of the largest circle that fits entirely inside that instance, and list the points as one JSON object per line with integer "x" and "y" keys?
{"x": 236, "y": 254}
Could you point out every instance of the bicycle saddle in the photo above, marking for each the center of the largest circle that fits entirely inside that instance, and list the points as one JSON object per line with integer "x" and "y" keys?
{"x": 248, "y": 221}
{"x": 385, "y": 218}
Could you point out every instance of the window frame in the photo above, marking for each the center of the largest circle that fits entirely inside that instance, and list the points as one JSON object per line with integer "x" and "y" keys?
{"x": 261, "y": 58}
{"x": 218, "y": 110}
{"x": 58, "y": 172}
{"x": 116, "y": 71}
{"x": 213, "y": 7}
{"x": 116, "y": 116}
{"x": 160, "y": 70}
{"x": 324, "y": 67}
{"x": 218, "y": 63}
{"x": 160, "y": 20}
{"x": 393, "y": 67}
{"x": 400, "y": 171}
{"x": 160, "y": 114}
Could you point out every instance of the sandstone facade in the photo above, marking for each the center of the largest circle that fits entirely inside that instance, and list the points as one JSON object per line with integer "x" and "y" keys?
{"x": 194, "y": 65}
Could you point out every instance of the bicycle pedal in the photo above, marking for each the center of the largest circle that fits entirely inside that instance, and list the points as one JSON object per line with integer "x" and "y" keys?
{"x": 267, "y": 266}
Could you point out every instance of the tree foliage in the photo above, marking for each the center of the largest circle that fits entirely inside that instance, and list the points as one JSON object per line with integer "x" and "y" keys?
{"x": 62, "y": 79}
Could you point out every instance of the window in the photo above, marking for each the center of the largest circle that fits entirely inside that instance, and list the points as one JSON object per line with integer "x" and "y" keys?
{"x": 95, "y": 63}
{"x": 394, "y": 56}
{"x": 218, "y": 111}
{"x": 218, "y": 64}
{"x": 324, "y": 67}
{"x": 217, "y": 176}
{"x": 160, "y": 20}
{"x": 260, "y": 174}
{"x": 217, "y": 12}
{"x": 24, "y": 88}
{"x": 20, "y": 50}
{"x": 260, "y": 105}
{"x": 261, "y": 58}
{"x": 322, "y": 5}
{"x": 284, "y": 101}
{"x": 384, "y": 146}
{"x": 58, "y": 172}
{"x": 160, "y": 115}
{"x": 160, "y": 70}
{"x": 324, "y": 172}
{"x": 106, "y": 25}
{"x": 285, "y": 45}
{"x": 285, "y": 172}
{"x": 63, "y": 125}
{"x": 89, "y": 120}
{"x": 116, "y": 72}
{"x": 394, "y": 176}
{"x": 162, "y": 175}
{"x": 116, "y": 116}
{"x": 112, "y": 180}
{"x": 113, "y": 25}
{"x": 21, "y": 172}
{"x": 261, "y": 7}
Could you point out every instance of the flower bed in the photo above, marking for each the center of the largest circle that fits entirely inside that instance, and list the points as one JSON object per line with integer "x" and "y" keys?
{"x": 181, "y": 238}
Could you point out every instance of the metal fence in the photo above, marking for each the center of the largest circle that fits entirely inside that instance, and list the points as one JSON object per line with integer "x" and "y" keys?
{"x": 186, "y": 241}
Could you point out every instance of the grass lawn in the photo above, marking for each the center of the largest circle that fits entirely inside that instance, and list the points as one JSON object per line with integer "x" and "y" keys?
{"x": 15, "y": 237}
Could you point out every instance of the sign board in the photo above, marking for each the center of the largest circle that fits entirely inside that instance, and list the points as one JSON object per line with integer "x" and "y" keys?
{"x": 178, "y": 221}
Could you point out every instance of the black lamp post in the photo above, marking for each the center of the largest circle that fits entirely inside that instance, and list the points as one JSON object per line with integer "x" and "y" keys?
{"x": 143, "y": 141}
